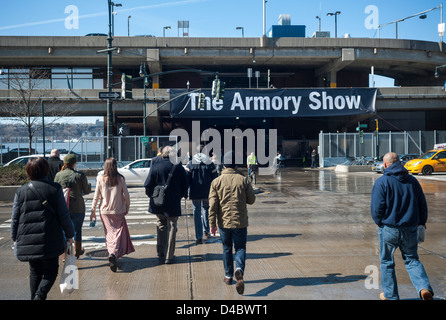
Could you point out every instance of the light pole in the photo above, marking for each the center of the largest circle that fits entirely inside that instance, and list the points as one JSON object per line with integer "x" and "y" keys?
{"x": 264, "y": 17}
{"x": 113, "y": 15}
{"x": 109, "y": 83}
{"x": 243, "y": 31}
{"x": 336, "y": 20}
{"x": 319, "y": 18}
{"x": 164, "y": 30}
{"x": 422, "y": 16}
{"x": 128, "y": 26}
{"x": 143, "y": 74}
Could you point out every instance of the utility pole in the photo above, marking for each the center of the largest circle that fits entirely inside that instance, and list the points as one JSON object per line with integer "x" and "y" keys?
{"x": 109, "y": 84}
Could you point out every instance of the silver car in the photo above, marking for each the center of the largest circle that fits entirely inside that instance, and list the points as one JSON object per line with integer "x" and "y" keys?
{"x": 135, "y": 173}
{"x": 378, "y": 165}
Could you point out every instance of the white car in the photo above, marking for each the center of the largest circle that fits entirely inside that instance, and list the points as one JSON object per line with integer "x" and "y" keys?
{"x": 23, "y": 160}
{"x": 135, "y": 173}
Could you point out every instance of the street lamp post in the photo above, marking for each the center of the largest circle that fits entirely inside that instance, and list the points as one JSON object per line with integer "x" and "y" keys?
{"x": 243, "y": 31}
{"x": 128, "y": 26}
{"x": 336, "y": 20}
{"x": 164, "y": 30}
{"x": 109, "y": 83}
{"x": 113, "y": 15}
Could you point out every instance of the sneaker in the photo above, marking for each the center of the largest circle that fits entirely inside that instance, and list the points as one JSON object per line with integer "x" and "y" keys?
{"x": 240, "y": 285}
{"x": 228, "y": 281}
{"x": 381, "y": 296}
{"x": 112, "y": 261}
{"x": 426, "y": 295}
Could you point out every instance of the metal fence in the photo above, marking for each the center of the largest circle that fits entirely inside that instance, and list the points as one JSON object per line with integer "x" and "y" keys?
{"x": 90, "y": 151}
{"x": 345, "y": 148}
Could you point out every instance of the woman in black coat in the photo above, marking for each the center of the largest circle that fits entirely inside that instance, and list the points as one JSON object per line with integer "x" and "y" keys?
{"x": 40, "y": 217}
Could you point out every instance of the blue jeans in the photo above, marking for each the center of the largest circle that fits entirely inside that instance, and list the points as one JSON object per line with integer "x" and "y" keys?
{"x": 238, "y": 238}
{"x": 78, "y": 220}
{"x": 407, "y": 240}
{"x": 201, "y": 217}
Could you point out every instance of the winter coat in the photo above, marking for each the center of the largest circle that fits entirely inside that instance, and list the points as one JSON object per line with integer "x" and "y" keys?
{"x": 159, "y": 172}
{"x": 201, "y": 172}
{"x": 79, "y": 187}
{"x": 55, "y": 166}
{"x": 228, "y": 196}
{"x": 398, "y": 199}
{"x": 38, "y": 230}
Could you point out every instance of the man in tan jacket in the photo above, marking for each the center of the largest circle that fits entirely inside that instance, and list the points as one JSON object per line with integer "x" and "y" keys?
{"x": 228, "y": 197}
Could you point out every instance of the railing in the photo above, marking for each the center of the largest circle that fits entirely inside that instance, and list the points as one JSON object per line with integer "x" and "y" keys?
{"x": 341, "y": 148}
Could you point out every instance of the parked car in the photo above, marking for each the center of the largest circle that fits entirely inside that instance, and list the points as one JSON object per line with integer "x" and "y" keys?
{"x": 378, "y": 165}
{"x": 23, "y": 160}
{"x": 406, "y": 157}
{"x": 135, "y": 173}
{"x": 431, "y": 161}
{"x": 16, "y": 152}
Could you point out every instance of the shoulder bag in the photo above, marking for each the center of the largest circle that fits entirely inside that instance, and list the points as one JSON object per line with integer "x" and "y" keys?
{"x": 67, "y": 190}
{"x": 159, "y": 192}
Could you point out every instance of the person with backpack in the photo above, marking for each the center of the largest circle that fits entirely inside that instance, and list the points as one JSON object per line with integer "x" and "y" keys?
{"x": 201, "y": 172}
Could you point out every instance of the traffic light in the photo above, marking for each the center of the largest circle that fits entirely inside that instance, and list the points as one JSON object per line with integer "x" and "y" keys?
{"x": 221, "y": 92}
{"x": 201, "y": 101}
{"x": 218, "y": 89}
{"x": 126, "y": 87}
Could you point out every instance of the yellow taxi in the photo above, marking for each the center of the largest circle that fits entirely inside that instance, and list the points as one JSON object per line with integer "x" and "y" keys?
{"x": 431, "y": 161}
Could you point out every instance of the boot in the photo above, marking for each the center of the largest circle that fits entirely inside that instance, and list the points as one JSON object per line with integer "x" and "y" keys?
{"x": 78, "y": 250}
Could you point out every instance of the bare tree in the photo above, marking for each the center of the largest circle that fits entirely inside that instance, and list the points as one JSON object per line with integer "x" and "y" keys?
{"x": 28, "y": 89}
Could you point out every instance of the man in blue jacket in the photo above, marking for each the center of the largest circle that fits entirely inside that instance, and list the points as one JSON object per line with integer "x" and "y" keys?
{"x": 201, "y": 171}
{"x": 398, "y": 207}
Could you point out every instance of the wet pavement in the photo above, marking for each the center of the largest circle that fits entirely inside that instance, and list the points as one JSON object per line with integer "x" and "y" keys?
{"x": 310, "y": 237}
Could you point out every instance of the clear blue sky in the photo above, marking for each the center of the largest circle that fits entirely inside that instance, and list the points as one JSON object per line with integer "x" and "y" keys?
{"x": 217, "y": 18}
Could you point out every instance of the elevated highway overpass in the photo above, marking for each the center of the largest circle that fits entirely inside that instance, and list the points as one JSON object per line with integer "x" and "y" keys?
{"x": 282, "y": 62}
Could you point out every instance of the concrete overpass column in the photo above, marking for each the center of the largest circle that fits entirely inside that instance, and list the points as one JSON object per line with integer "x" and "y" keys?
{"x": 154, "y": 64}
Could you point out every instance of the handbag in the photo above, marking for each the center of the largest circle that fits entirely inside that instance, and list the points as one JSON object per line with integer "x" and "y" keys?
{"x": 67, "y": 190}
{"x": 159, "y": 192}
{"x": 69, "y": 278}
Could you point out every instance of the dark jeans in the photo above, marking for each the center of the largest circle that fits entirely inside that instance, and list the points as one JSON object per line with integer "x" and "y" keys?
{"x": 43, "y": 274}
{"x": 78, "y": 220}
{"x": 238, "y": 238}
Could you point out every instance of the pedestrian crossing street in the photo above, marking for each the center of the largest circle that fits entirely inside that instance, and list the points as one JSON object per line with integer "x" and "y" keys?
{"x": 138, "y": 216}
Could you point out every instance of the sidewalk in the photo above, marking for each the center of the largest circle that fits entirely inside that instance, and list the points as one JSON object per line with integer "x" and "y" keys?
{"x": 310, "y": 238}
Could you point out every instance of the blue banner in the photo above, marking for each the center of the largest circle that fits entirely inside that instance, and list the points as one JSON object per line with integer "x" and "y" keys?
{"x": 274, "y": 103}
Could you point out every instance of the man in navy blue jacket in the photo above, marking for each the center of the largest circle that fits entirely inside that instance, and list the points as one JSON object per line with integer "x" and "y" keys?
{"x": 201, "y": 171}
{"x": 398, "y": 207}
{"x": 167, "y": 214}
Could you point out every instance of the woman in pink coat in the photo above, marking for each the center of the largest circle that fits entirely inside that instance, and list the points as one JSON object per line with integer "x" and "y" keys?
{"x": 114, "y": 202}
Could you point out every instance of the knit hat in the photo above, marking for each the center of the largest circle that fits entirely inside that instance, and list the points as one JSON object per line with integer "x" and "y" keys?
{"x": 229, "y": 159}
{"x": 69, "y": 159}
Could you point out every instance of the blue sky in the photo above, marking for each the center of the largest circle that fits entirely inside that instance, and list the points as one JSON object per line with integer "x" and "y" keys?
{"x": 217, "y": 18}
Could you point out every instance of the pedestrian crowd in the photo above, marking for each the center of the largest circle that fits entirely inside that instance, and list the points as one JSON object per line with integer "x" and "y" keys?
{"x": 48, "y": 213}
